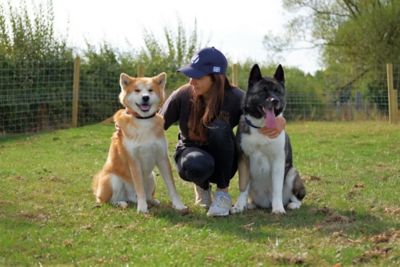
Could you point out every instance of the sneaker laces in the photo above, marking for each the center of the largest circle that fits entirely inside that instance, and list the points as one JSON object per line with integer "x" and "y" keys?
{"x": 222, "y": 200}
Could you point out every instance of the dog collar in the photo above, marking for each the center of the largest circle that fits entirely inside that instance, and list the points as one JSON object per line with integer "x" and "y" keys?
{"x": 250, "y": 123}
{"x": 143, "y": 118}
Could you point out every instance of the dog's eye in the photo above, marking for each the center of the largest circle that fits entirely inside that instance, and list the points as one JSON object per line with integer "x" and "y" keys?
{"x": 137, "y": 90}
{"x": 150, "y": 90}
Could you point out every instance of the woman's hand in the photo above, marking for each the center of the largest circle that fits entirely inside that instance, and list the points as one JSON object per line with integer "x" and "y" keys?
{"x": 273, "y": 133}
{"x": 117, "y": 127}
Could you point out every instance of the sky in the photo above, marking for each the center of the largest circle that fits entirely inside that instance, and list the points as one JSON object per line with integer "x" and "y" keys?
{"x": 235, "y": 27}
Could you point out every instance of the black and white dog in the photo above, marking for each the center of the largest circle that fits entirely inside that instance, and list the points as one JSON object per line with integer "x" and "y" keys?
{"x": 267, "y": 177}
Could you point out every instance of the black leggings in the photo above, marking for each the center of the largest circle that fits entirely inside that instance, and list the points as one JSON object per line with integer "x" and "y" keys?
{"x": 215, "y": 162}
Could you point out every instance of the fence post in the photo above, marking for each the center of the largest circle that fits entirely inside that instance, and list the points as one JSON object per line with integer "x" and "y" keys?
{"x": 75, "y": 92}
{"x": 392, "y": 95}
{"x": 235, "y": 74}
{"x": 140, "y": 71}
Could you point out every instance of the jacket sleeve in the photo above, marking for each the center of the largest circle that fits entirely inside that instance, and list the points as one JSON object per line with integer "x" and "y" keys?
{"x": 170, "y": 110}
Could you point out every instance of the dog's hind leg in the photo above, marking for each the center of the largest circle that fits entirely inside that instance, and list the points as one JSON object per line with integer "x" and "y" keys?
{"x": 119, "y": 194}
{"x": 294, "y": 203}
{"x": 130, "y": 192}
{"x": 294, "y": 189}
{"x": 103, "y": 187}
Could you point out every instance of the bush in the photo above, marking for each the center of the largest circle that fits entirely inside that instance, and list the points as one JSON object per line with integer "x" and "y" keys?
{"x": 36, "y": 70}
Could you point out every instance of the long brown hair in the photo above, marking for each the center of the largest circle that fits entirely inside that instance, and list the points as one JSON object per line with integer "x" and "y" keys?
{"x": 203, "y": 113}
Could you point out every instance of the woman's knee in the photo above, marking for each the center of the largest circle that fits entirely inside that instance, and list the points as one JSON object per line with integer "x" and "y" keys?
{"x": 195, "y": 165}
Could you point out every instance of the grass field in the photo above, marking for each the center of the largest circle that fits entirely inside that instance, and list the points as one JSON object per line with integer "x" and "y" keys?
{"x": 351, "y": 215}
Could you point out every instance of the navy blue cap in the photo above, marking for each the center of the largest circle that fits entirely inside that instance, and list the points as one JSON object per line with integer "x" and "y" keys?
{"x": 207, "y": 61}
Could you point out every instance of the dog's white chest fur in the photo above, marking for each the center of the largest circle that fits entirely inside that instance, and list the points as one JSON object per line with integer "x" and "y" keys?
{"x": 257, "y": 145}
{"x": 146, "y": 147}
{"x": 266, "y": 164}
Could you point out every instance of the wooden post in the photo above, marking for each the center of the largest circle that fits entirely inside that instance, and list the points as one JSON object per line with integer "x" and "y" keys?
{"x": 140, "y": 71}
{"x": 392, "y": 95}
{"x": 75, "y": 92}
{"x": 235, "y": 74}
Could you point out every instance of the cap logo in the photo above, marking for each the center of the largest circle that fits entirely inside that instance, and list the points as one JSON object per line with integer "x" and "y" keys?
{"x": 195, "y": 59}
{"x": 216, "y": 69}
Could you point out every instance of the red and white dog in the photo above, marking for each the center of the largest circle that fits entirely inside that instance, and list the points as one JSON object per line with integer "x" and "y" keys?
{"x": 137, "y": 147}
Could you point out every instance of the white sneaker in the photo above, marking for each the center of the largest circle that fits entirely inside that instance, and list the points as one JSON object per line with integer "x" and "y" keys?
{"x": 221, "y": 204}
{"x": 203, "y": 197}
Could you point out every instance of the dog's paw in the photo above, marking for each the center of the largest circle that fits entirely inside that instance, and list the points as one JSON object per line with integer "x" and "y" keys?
{"x": 153, "y": 202}
{"x": 251, "y": 206}
{"x": 120, "y": 204}
{"x": 294, "y": 205}
{"x": 236, "y": 209}
{"x": 179, "y": 206}
{"x": 239, "y": 207}
{"x": 278, "y": 208}
{"x": 278, "y": 211}
{"x": 142, "y": 207}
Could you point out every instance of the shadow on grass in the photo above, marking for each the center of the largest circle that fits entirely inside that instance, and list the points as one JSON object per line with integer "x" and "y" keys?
{"x": 256, "y": 224}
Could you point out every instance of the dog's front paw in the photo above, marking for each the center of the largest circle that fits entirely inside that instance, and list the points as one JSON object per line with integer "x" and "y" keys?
{"x": 236, "y": 209}
{"x": 179, "y": 206}
{"x": 240, "y": 204}
{"x": 239, "y": 207}
{"x": 122, "y": 204}
{"x": 277, "y": 207}
{"x": 142, "y": 207}
{"x": 278, "y": 211}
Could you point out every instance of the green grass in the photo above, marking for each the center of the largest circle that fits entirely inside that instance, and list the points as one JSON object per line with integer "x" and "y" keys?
{"x": 350, "y": 216}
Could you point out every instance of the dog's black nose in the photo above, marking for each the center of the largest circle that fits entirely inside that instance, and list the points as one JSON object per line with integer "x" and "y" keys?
{"x": 274, "y": 101}
{"x": 145, "y": 98}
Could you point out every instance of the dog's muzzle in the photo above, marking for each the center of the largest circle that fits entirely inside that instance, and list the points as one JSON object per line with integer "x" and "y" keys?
{"x": 271, "y": 103}
{"x": 145, "y": 105}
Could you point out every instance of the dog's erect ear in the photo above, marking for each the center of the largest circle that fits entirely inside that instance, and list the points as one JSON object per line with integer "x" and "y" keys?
{"x": 124, "y": 80}
{"x": 279, "y": 74}
{"x": 255, "y": 76}
{"x": 161, "y": 79}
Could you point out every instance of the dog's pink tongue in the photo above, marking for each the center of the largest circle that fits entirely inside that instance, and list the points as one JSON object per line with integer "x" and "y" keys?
{"x": 144, "y": 107}
{"x": 270, "y": 121}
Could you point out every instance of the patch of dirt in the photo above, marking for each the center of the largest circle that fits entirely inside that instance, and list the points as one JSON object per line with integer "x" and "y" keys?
{"x": 373, "y": 253}
{"x": 311, "y": 178}
{"x": 392, "y": 211}
{"x": 289, "y": 259}
{"x": 355, "y": 190}
{"x": 248, "y": 227}
{"x": 5, "y": 202}
{"x": 332, "y": 216}
{"x": 323, "y": 210}
{"x": 390, "y": 236}
{"x": 333, "y": 221}
{"x": 337, "y": 218}
{"x": 38, "y": 217}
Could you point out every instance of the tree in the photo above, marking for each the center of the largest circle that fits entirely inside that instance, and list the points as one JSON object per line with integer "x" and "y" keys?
{"x": 176, "y": 51}
{"x": 361, "y": 32}
{"x": 35, "y": 69}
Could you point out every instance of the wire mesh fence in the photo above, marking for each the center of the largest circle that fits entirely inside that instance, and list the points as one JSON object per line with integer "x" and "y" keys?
{"x": 38, "y": 96}
{"x": 34, "y": 96}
